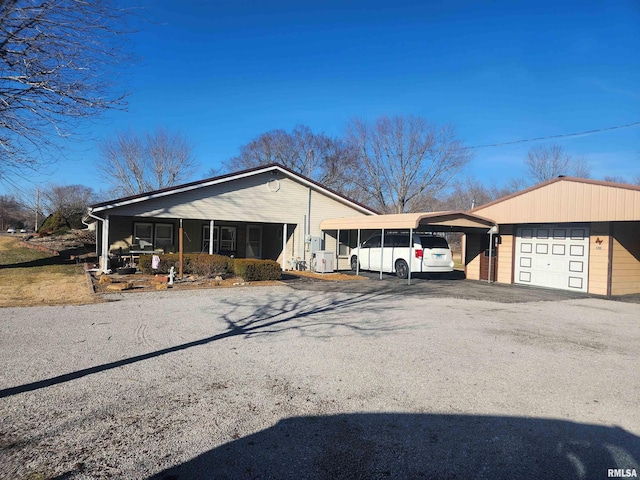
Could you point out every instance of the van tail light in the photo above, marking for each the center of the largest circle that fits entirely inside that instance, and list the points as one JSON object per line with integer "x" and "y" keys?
{"x": 418, "y": 253}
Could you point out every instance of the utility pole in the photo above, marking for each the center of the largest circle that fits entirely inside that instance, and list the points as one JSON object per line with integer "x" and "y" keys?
{"x": 35, "y": 227}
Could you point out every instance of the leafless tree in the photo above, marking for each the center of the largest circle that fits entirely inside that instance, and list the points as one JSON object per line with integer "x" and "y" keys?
{"x": 12, "y": 213}
{"x": 545, "y": 162}
{"x": 58, "y": 64}
{"x": 69, "y": 200}
{"x": 403, "y": 159}
{"x": 466, "y": 194}
{"x": 317, "y": 156}
{"x": 131, "y": 163}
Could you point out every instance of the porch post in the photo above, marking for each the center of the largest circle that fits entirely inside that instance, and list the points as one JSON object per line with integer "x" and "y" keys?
{"x": 284, "y": 246}
{"x": 105, "y": 244}
{"x": 181, "y": 251}
{"x": 337, "y": 249}
{"x": 211, "y": 225}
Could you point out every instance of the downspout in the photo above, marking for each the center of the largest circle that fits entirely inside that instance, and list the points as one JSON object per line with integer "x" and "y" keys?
{"x": 105, "y": 240}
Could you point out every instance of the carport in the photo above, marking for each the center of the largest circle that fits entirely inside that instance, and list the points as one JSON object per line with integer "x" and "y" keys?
{"x": 450, "y": 221}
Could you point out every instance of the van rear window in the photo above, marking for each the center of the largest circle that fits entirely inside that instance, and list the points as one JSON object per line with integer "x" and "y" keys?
{"x": 434, "y": 242}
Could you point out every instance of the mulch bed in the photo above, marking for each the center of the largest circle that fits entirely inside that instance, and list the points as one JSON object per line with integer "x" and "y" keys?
{"x": 139, "y": 282}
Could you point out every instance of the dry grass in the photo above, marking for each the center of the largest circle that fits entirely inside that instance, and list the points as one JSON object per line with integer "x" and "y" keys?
{"x": 34, "y": 278}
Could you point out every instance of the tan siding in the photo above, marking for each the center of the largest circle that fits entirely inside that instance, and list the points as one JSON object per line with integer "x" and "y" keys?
{"x": 566, "y": 201}
{"x": 625, "y": 269}
{"x": 599, "y": 258}
{"x": 249, "y": 199}
{"x": 258, "y": 199}
{"x": 505, "y": 259}
{"x": 472, "y": 256}
{"x": 323, "y": 207}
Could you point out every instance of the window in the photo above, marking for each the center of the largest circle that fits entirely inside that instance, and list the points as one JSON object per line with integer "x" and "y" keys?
{"x": 143, "y": 233}
{"x": 153, "y": 235}
{"x": 205, "y": 238}
{"x": 228, "y": 239}
{"x": 164, "y": 236}
{"x": 373, "y": 242}
{"x": 434, "y": 242}
{"x": 344, "y": 242}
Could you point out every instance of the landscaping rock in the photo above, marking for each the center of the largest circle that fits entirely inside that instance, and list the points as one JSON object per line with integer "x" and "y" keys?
{"x": 119, "y": 287}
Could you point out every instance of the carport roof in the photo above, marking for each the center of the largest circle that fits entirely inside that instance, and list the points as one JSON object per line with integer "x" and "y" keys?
{"x": 449, "y": 221}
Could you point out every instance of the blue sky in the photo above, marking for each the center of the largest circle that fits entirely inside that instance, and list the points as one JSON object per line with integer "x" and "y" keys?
{"x": 223, "y": 72}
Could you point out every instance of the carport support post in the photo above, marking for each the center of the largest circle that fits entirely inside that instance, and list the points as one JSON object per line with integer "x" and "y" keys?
{"x": 411, "y": 248}
{"x": 381, "y": 252}
{"x": 358, "y": 259}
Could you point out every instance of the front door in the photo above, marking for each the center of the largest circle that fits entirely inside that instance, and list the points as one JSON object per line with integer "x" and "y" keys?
{"x": 254, "y": 241}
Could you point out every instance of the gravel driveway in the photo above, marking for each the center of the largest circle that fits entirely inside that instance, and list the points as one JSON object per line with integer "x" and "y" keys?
{"x": 277, "y": 382}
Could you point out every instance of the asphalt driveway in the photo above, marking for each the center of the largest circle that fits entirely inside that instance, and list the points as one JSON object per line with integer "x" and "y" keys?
{"x": 282, "y": 382}
{"x": 449, "y": 285}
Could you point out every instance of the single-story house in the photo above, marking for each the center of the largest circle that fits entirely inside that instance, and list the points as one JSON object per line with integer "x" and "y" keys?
{"x": 268, "y": 212}
{"x": 567, "y": 233}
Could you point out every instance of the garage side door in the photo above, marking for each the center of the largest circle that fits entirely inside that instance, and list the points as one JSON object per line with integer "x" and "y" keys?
{"x": 554, "y": 256}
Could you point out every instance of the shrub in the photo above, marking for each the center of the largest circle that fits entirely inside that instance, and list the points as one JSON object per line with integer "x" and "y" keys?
{"x": 256, "y": 270}
{"x": 166, "y": 262}
{"x": 55, "y": 224}
{"x": 209, "y": 265}
{"x": 196, "y": 263}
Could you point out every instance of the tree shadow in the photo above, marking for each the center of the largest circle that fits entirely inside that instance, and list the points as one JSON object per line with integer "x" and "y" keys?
{"x": 418, "y": 446}
{"x": 271, "y": 316}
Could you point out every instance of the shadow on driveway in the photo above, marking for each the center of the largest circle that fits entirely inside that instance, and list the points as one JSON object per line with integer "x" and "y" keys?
{"x": 399, "y": 446}
{"x": 448, "y": 285}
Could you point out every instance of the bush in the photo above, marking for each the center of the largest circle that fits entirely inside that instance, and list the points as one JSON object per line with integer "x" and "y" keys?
{"x": 195, "y": 263}
{"x": 256, "y": 270}
{"x": 209, "y": 265}
{"x": 250, "y": 270}
{"x": 54, "y": 224}
{"x": 166, "y": 262}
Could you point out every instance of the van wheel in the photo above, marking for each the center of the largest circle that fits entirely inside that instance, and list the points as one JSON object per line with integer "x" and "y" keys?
{"x": 354, "y": 263}
{"x": 402, "y": 269}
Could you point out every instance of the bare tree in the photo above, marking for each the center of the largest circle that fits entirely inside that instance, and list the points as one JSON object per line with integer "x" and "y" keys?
{"x": 12, "y": 213}
{"x": 545, "y": 162}
{"x": 131, "y": 163}
{"x": 67, "y": 199}
{"x": 317, "y": 156}
{"x": 57, "y": 68}
{"x": 403, "y": 159}
{"x": 466, "y": 194}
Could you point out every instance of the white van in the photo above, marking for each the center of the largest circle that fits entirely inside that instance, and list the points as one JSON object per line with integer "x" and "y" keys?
{"x": 430, "y": 254}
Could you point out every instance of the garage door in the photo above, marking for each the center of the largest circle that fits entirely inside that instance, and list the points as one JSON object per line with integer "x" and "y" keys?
{"x": 554, "y": 256}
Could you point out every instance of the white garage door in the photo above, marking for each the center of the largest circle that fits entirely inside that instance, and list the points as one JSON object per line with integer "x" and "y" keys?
{"x": 554, "y": 256}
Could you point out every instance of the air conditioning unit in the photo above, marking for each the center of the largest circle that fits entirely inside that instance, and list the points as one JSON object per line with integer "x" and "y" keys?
{"x": 324, "y": 261}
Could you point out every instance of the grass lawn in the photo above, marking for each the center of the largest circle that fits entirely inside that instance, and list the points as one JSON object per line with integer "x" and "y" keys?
{"x": 33, "y": 278}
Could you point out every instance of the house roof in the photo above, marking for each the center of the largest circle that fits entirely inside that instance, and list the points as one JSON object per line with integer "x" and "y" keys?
{"x": 566, "y": 199}
{"x": 119, "y": 202}
{"x": 455, "y": 221}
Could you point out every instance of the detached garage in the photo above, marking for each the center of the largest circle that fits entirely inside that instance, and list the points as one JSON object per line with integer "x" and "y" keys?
{"x": 567, "y": 233}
